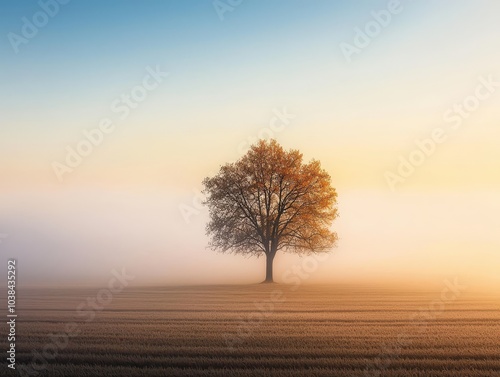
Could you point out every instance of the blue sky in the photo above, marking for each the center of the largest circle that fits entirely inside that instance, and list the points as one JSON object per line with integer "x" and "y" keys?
{"x": 271, "y": 50}
{"x": 91, "y": 48}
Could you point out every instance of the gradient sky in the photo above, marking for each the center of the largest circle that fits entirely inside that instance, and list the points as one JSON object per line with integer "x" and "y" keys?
{"x": 120, "y": 207}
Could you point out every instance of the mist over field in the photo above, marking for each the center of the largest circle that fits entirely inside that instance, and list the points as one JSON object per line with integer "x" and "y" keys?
{"x": 79, "y": 236}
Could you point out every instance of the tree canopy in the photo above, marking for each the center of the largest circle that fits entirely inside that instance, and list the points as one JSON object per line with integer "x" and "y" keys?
{"x": 270, "y": 200}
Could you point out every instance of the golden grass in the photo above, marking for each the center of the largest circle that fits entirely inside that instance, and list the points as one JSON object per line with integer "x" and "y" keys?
{"x": 315, "y": 331}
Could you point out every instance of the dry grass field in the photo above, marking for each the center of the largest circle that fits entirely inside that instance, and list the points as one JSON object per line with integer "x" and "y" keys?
{"x": 262, "y": 330}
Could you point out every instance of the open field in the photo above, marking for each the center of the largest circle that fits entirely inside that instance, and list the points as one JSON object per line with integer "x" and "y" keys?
{"x": 262, "y": 330}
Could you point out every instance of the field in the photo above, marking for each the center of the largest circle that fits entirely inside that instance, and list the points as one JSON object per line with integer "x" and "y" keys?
{"x": 259, "y": 330}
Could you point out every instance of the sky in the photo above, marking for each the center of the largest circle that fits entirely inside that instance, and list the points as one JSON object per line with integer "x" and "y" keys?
{"x": 406, "y": 123}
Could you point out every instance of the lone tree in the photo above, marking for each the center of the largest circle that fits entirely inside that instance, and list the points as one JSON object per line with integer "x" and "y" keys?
{"x": 269, "y": 200}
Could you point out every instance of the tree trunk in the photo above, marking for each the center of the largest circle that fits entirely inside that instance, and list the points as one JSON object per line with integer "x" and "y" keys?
{"x": 269, "y": 268}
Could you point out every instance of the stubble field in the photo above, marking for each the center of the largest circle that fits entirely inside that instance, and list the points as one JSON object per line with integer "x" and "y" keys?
{"x": 258, "y": 330}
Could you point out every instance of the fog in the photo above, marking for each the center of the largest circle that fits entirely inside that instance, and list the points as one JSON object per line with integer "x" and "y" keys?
{"x": 77, "y": 237}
